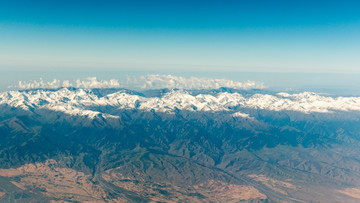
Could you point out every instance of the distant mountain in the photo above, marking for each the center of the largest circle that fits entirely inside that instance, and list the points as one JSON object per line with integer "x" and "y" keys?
{"x": 221, "y": 145}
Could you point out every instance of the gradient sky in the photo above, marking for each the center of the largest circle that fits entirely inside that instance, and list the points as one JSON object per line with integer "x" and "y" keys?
{"x": 180, "y": 35}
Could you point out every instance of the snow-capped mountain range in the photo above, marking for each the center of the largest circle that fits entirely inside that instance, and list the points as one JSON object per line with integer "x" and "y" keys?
{"x": 102, "y": 136}
{"x": 78, "y": 101}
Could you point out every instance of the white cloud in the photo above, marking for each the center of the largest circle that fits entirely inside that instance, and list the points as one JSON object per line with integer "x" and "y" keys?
{"x": 143, "y": 83}
{"x": 92, "y": 82}
{"x": 89, "y": 83}
{"x": 42, "y": 84}
{"x": 172, "y": 82}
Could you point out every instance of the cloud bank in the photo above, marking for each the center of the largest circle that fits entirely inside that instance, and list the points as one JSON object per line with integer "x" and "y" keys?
{"x": 34, "y": 84}
{"x": 143, "y": 83}
{"x": 175, "y": 82}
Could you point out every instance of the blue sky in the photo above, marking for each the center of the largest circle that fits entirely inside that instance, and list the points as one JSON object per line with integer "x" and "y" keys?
{"x": 174, "y": 35}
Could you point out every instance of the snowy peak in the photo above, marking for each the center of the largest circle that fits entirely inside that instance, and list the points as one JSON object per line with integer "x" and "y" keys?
{"x": 77, "y": 101}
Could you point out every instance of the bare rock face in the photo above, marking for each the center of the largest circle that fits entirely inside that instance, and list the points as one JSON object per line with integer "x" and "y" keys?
{"x": 75, "y": 145}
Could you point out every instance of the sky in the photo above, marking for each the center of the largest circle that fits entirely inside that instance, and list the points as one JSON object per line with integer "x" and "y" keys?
{"x": 179, "y": 35}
